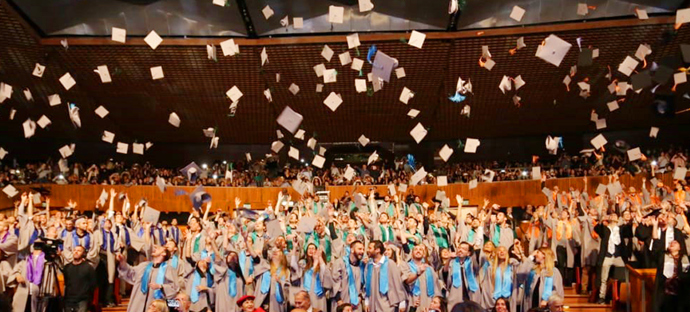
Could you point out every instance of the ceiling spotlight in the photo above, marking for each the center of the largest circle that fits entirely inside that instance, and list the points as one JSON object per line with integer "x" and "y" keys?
{"x": 204, "y": 166}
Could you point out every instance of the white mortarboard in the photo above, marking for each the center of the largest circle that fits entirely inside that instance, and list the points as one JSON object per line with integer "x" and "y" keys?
{"x": 516, "y": 100}
{"x": 264, "y": 56}
{"x": 445, "y": 152}
{"x": 322, "y": 150}
{"x": 54, "y": 100}
{"x": 234, "y": 93}
{"x": 601, "y": 189}
{"x": 5, "y": 92}
{"x": 267, "y": 94}
{"x": 297, "y": 22}
{"x": 108, "y": 136}
{"x": 613, "y": 105}
{"x": 276, "y": 146}
{"x": 29, "y": 127}
{"x": 67, "y": 81}
{"x": 383, "y": 66}
{"x": 518, "y": 82}
{"x": 318, "y": 161}
{"x": 311, "y": 143}
{"x": 285, "y": 21}
{"x": 157, "y": 72}
{"x": 567, "y": 80}
{"x": 642, "y": 51}
{"x": 598, "y": 141}
{"x": 466, "y": 111}
{"x": 442, "y": 181}
{"x": 148, "y": 145}
{"x": 335, "y": 14}
{"x": 214, "y": 142}
{"x": 43, "y": 122}
{"x": 553, "y": 50}
{"x": 277, "y": 77}
{"x": 582, "y": 9}
{"x": 219, "y": 2}
{"x": 471, "y": 145}
{"x": 138, "y": 148}
{"x": 361, "y": 85}
{"x": 400, "y": 72}
{"x": 505, "y": 84}
{"x": 38, "y": 70}
{"x": 680, "y": 78}
{"x": 345, "y": 58}
{"x": 319, "y": 69}
{"x": 391, "y": 189}
{"x": 118, "y": 34}
{"x": 536, "y": 173}
{"x": 353, "y": 41}
{"x": 73, "y": 111}
{"x": 413, "y": 113}
{"x": 682, "y": 16}
{"x": 10, "y": 191}
{"x": 327, "y": 53}
{"x": 489, "y": 64}
{"x": 66, "y": 151}
{"x": 418, "y": 176}
{"x": 289, "y": 119}
{"x": 623, "y": 88}
{"x": 402, "y": 188}
{"x": 357, "y": 64}
{"x": 150, "y": 215}
{"x": 517, "y": 13}
{"x": 3, "y": 153}
{"x": 653, "y": 132}
{"x": 153, "y": 39}
{"x": 209, "y": 132}
{"x": 267, "y": 11}
{"x": 27, "y": 95}
{"x": 174, "y": 120}
{"x": 521, "y": 43}
{"x": 294, "y": 153}
{"x": 418, "y": 132}
{"x": 160, "y": 183}
{"x": 365, "y": 5}
{"x": 300, "y": 134}
{"x": 279, "y": 134}
{"x": 485, "y": 52}
{"x": 104, "y": 73}
{"x": 473, "y": 184}
{"x": 488, "y": 175}
{"x": 294, "y": 89}
{"x": 248, "y": 156}
{"x": 595, "y": 53}
{"x": 229, "y": 47}
{"x": 372, "y": 158}
{"x": 601, "y": 123}
{"x": 634, "y": 154}
{"x": 333, "y": 101}
{"x": 680, "y": 173}
{"x": 349, "y": 173}
{"x": 641, "y": 14}
{"x": 122, "y": 147}
{"x": 329, "y": 75}
{"x": 306, "y": 225}
{"x": 406, "y": 95}
{"x": 628, "y": 65}
{"x": 363, "y": 140}
{"x": 416, "y": 39}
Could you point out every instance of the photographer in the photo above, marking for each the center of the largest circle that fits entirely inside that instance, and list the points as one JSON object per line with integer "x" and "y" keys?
{"x": 80, "y": 281}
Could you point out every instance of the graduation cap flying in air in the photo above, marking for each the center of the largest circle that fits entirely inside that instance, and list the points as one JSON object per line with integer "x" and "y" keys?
{"x": 199, "y": 197}
{"x": 191, "y": 171}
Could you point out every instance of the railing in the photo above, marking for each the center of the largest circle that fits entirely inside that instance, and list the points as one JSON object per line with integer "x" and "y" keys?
{"x": 641, "y": 287}
{"x": 509, "y": 193}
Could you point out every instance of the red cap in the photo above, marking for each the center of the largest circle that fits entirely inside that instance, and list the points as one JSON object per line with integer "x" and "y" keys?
{"x": 243, "y": 299}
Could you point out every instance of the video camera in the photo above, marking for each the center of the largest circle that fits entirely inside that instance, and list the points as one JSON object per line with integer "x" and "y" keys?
{"x": 49, "y": 246}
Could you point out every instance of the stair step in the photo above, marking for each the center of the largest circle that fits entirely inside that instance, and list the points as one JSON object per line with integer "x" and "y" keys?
{"x": 572, "y": 299}
{"x": 588, "y": 307}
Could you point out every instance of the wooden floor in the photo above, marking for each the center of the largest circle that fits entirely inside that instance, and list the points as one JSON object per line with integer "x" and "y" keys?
{"x": 574, "y": 302}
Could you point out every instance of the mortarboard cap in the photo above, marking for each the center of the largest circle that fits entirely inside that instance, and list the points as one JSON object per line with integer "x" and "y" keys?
{"x": 383, "y": 66}
{"x": 199, "y": 197}
{"x": 653, "y": 213}
{"x": 191, "y": 171}
{"x": 641, "y": 80}
{"x": 662, "y": 74}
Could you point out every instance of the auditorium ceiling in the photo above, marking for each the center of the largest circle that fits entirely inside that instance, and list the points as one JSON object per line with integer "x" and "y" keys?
{"x": 194, "y": 87}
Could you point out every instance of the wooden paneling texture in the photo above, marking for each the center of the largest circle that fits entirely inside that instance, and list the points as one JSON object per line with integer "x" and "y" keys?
{"x": 513, "y": 193}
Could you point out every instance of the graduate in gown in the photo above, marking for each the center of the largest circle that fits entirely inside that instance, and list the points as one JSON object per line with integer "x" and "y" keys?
{"x": 348, "y": 278}
{"x": 272, "y": 280}
{"x": 314, "y": 275}
{"x": 539, "y": 279}
{"x": 230, "y": 284}
{"x": 421, "y": 280}
{"x": 459, "y": 277}
{"x": 8, "y": 253}
{"x": 382, "y": 283}
{"x": 151, "y": 280}
{"x": 497, "y": 279}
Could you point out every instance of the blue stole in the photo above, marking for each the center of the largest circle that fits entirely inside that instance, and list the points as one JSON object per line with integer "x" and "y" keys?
{"x": 160, "y": 279}
{"x": 174, "y": 261}
{"x": 470, "y": 237}
{"x": 548, "y": 285}
{"x": 469, "y": 275}
{"x": 128, "y": 241}
{"x": 416, "y": 290}
{"x": 104, "y": 245}
{"x": 35, "y": 235}
{"x": 383, "y": 277}
{"x": 351, "y": 287}
{"x": 313, "y": 278}
{"x": 497, "y": 235}
{"x": 194, "y": 297}
{"x": 87, "y": 240}
{"x": 266, "y": 285}
{"x": 232, "y": 283}
{"x": 503, "y": 283}
{"x": 242, "y": 259}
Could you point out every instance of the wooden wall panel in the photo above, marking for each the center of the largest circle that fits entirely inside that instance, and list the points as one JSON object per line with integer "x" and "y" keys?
{"x": 512, "y": 193}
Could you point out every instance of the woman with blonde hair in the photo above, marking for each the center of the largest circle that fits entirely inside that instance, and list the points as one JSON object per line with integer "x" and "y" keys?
{"x": 158, "y": 305}
{"x": 497, "y": 277}
{"x": 539, "y": 279}
{"x": 271, "y": 280}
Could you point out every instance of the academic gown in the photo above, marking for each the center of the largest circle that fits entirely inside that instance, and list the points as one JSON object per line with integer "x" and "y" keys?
{"x": 529, "y": 290}
{"x": 206, "y": 298}
{"x": 108, "y": 253}
{"x": 23, "y": 291}
{"x": 8, "y": 248}
{"x": 139, "y": 301}
{"x": 487, "y": 285}
{"x": 453, "y": 294}
{"x": 590, "y": 246}
{"x": 224, "y": 300}
{"x": 569, "y": 244}
{"x": 277, "y": 285}
{"x": 661, "y": 301}
{"x": 91, "y": 249}
{"x": 506, "y": 236}
{"x": 379, "y": 302}
{"x": 341, "y": 283}
{"x": 424, "y": 297}
{"x": 297, "y": 273}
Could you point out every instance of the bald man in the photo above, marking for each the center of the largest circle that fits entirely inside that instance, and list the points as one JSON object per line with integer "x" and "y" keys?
{"x": 303, "y": 302}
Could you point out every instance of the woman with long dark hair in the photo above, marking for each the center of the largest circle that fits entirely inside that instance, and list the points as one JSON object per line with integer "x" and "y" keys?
{"x": 671, "y": 275}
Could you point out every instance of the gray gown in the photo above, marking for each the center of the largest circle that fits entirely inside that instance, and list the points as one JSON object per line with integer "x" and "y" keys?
{"x": 281, "y": 286}
{"x": 590, "y": 246}
{"x": 379, "y": 302}
{"x": 341, "y": 283}
{"x": 206, "y": 298}
{"x": 138, "y": 301}
{"x": 487, "y": 285}
{"x": 224, "y": 300}
{"x": 529, "y": 291}
{"x": 424, "y": 298}
{"x": 297, "y": 273}
{"x": 453, "y": 294}
{"x": 8, "y": 249}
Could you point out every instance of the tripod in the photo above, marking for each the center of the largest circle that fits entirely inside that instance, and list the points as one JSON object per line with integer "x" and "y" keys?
{"x": 50, "y": 287}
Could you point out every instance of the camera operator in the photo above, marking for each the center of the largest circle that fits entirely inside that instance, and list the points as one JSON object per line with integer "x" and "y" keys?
{"x": 27, "y": 276}
{"x": 80, "y": 281}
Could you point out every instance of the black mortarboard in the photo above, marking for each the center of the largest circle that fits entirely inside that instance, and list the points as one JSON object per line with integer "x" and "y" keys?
{"x": 585, "y": 58}
{"x": 662, "y": 74}
{"x": 41, "y": 190}
{"x": 653, "y": 213}
{"x": 641, "y": 80}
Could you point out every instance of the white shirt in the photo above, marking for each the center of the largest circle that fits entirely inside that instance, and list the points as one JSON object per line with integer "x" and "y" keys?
{"x": 614, "y": 239}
